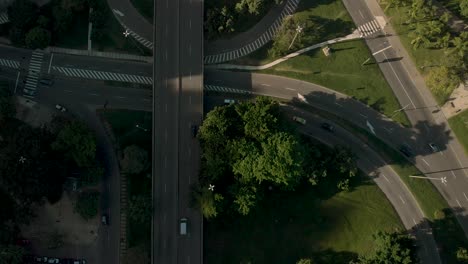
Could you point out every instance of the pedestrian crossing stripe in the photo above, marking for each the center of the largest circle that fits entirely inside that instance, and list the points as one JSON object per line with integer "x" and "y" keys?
{"x": 35, "y": 65}
{"x": 105, "y": 76}
{"x": 137, "y": 37}
{"x": 215, "y": 88}
{"x": 4, "y": 18}
{"x": 264, "y": 38}
{"x": 10, "y": 63}
{"x": 369, "y": 28}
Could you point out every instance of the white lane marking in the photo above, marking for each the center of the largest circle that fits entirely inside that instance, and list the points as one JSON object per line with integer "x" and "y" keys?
{"x": 190, "y": 99}
{"x": 167, "y": 3}
{"x": 108, "y": 237}
{"x": 165, "y": 161}
{"x": 458, "y": 202}
{"x": 441, "y": 153}
{"x": 50, "y": 63}
{"x": 93, "y": 94}
{"x": 453, "y": 173}
{"x": 425, "y": 162}
{"x": 385, "y": 177}
{"x": 17, "y": 79}
{"x": 120, "y": 97}
{"x": 458, "y": 159}
{"x": 363, "y": 115}
{"x": 290, "y": 89}
{"x": 361, "y": 14}
{"x": 464, "y": 194}
{"x": 165, "y": 135}
{"x": 414, "y": 221}
{"x": 190, "y": 49}
{"x": 401, "y": 198}
{"x": 165, "y": 188}
{"x": 401, "y": 84}
{"x": 166, "y": 108}
{"x": 68, "y": 91}
{"x": 190, "y": 75}
{"x": 190, "y": 23}
{"x": 264, "y": 84}
{"x": 188, "y": 259}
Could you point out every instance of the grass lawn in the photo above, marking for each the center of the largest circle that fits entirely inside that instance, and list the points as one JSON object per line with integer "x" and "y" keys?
{"x": 76, "y": 37}
{"x": 290, "y": 226}
{"x": 123, "y": 125}
{"x": 424, "y": 58}
{"x": 331, "y": 15}
{"x": 459, "y": 125}
{"x": 447, "y": 231}
{"x": 343, "y": 72}
{"x": 145, "y": 7}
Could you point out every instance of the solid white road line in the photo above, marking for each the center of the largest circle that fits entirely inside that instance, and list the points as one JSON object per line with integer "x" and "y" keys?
{"x": 425, "y": 162}
{"x": 165, "y": 188}
{"x": 414, "y": 221}
{"x": 385, "y": 177}
{"x": 401, "y": 83}
{"x": 464, "y": 194}
{"x": 166, "y": 108}
{"x": 453, "y": 173}
{"x": 290, "y": 89}
{"x": 458, "y": 202}
{"x": 17, "y": 79}
{"x": 401, "y": 198}
{"x": 264, "y": 84}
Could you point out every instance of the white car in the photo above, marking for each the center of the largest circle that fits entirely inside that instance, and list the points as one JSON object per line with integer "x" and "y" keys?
{"x": 53, "y": 260}
{"x": 61, "y": 108}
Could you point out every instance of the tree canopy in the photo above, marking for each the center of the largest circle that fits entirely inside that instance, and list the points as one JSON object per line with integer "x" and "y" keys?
{"x": 391, "y": 248}
{"x": 135, "y": 160}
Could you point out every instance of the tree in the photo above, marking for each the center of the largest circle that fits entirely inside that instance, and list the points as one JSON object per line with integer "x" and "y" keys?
{"x": 218, "y": 20}
{"x": 460, "y": 45}
{"x": 245, "y": 199}
{"x": 462, "y": 255}
{"x": 87, "y": 204}
{"x": 140, "y": 208}
{"x": 259, "y": 119}
{"x": 305, "y": 261}
{"x": 7, "y": 105}
{"x": 442, "y": 81}
{"x": 392, "y": 248}
{"x": 464, "y": 8}
{"x": 395, "y": 3}
{"x": 37, "y": 38}
{"x": 62, "y": 19}
{"x": 251, "y": 6}
{"x": 135, "y": 160}
{"x": 78, "y": 143}
{"x": 207, "y": 201}
{"x": 22, "y": 14}
{"x": 11, "y": 254}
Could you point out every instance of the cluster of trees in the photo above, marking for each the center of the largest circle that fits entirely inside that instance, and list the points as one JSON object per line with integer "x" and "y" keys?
{"x": 87, "y": 204}
{"x": 395, "y": 248}
{"x": 222, "y": 17}
{"x": 429, "y": 30}
{"x": 250, "y": 148}
{"x": 35, "y": 27}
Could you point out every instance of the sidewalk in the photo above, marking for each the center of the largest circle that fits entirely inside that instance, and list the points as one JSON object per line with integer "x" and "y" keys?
{"x": 354, "y": 35}
{"x": 111, "y": 55}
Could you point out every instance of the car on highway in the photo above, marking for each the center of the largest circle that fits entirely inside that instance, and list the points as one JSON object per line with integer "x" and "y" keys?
{"x": 433, "y": 147}
{"x": 105, "y": 219}
{"x": 194, "y": 130}
{"x": 328, "y": 127}
{"x": 45, "y": 81}
{"x": 29, "y": 92}
{"x": 61, "y": 108}
{"x": 229, "y": 101}
{"x": 299, "y": 120}
{"x": 53, "y": 260}
{"x": 183, "y": 225}
{"x": 406, "y": 151}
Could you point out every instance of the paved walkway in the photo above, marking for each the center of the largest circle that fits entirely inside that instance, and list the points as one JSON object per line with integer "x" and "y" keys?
{"x": 111, "y": 55}
{"x": 355, "y": 35}
{"x": 458, "y": 101}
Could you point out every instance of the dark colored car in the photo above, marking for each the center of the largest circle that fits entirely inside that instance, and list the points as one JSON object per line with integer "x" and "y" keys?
{"x": 406, "y": 151}
{"x": 47, "y": 82}
{"x": 328, "y": 127}
{"x": 105, "y": 219}
{"x": 194, "y": 130}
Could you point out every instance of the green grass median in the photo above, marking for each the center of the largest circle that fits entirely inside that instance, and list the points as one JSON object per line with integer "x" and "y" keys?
{"x": 459, "y": 125}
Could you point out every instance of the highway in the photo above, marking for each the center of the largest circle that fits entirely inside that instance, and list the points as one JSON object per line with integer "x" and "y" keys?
{"x": 177, "y": 105}
{"x": 422, "y": 111}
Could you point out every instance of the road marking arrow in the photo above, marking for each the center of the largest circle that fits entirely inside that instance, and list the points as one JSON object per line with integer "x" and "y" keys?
{"x": 118, "y": 12}
{"x": 301, "y": 97}
{"x": 371, "y": 128}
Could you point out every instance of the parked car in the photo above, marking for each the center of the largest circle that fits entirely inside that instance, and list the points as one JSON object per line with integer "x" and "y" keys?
{"x": 328, "y": 127}
{"x": 53, "y": 260}
{"x": 299, "y": 120}
{"x": 45, "y": 81}
{"x": 105, "y": 219}
{"x": 229, "y": 101}
{"x": 61, "y": 108}
{"x": 406, "y": 151}
{"x": 183, "y": 226}
{"x": 29, "y": 92}
{"x": 433, "y": 147}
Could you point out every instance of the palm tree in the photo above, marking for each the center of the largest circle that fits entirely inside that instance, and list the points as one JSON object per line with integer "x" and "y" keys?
{"x": 460, "y": 46}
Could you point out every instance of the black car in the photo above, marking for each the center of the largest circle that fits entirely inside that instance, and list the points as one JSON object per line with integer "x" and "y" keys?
{"x": 328, "y": 127}
{"x": 406, "y": 151}
{"x": 194, "y": 130}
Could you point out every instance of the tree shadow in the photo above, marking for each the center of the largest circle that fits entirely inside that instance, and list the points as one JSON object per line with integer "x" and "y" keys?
{"x": 391, "y": 60}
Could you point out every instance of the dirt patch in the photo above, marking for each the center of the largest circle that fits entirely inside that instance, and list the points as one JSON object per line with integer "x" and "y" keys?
{"x": 457, "y": 102}
{"x": 32, "y": 112}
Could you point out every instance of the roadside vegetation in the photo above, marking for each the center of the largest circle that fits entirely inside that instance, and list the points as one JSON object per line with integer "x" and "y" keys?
{"x": 457, "y": 7}
{"x": 439, "y": 53}
{"x": 87, "y": 204}
{"x": 224, "y": 19}
{"x": 64, "y": 23}
{"x": 34, "y": 165}
{"x": 258, "y": 174}
{"x": 145, "y": 7}
{"x": 133, "y": 145}
{"x": 459, "y": 125}
{"x": 447, "y": 232}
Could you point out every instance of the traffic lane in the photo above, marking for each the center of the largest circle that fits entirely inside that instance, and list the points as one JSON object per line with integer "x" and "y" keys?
{"x": 132, "y": 18}
{"x": 100, "y": 64}
{"x": 15, "y": 54}
{"x": 359, "y": 12}
{"x": 384, "y": 176}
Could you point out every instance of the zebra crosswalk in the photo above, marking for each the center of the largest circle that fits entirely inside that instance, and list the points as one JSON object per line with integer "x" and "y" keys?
{"x": 137, "y": 37}
{"x": 268, "y": 35}
{"x": 102, "y": 75}
{"x": 10, "y": 63}
{"x": 35, "y": 66}
{"x": 4, "y": 18}
{"x": 216, "y": 88}
{"x": 369, "y": 28}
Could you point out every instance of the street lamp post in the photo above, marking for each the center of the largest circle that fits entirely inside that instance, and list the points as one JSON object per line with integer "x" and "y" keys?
{"x": 375, "y": 53}
{"x": 298, "y": 30}
{"x": 142, "y": 128}
{"x": 443, "y": 179}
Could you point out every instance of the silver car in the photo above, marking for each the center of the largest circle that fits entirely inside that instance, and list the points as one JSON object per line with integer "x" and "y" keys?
{"x": 433, "y": 147}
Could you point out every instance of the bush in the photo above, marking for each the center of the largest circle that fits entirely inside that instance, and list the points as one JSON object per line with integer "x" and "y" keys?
{"x": 37, "y": 38}
{"x": 87, "y": 204}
